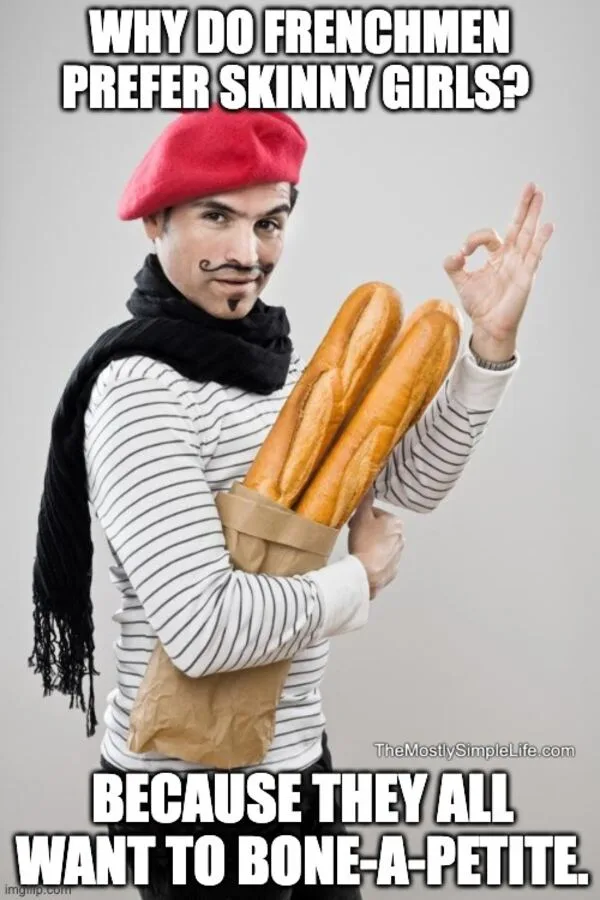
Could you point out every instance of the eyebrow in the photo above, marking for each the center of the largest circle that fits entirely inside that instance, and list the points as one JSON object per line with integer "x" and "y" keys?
{"x": 223, "y": 207}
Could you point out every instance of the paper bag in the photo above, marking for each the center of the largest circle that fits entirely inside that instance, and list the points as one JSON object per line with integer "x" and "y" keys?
{"x": 226, "y": 720}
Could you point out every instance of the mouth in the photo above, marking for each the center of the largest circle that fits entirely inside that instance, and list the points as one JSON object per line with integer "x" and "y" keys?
{"x": 237, "y": 281}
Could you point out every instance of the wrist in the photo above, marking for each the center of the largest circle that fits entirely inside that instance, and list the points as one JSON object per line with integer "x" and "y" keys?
{"x": 491, "y": 349}
{"x": 363, "y": 562}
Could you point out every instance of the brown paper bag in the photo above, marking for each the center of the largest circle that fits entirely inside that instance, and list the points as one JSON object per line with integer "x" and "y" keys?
{"x": 227, "y": 720}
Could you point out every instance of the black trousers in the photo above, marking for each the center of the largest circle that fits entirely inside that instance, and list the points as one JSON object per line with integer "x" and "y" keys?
{"x": 161, "y": 886}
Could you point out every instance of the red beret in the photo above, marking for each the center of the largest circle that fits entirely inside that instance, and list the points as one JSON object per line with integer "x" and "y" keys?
{"x": 207, "y": 151}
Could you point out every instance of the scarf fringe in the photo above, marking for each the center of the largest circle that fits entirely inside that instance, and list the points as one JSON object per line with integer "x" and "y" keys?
{"x": 64, "y": 655}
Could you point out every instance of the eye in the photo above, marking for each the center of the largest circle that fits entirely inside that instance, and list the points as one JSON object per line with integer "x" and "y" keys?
{"x": 214, "y": 216}
{"x": 269, "y": 225}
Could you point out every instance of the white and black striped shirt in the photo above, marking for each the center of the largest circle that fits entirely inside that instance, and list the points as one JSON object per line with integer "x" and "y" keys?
{"x": 158, "y": 447}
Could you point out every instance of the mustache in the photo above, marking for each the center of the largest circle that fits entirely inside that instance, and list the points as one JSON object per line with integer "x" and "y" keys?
{"x": 260, "y": 269}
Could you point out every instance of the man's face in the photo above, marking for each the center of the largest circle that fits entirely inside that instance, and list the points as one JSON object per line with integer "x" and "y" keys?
{"x": 219, "y": 251}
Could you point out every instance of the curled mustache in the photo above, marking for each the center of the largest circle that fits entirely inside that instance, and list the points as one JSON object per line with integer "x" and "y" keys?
{"x": 260, "y": 269}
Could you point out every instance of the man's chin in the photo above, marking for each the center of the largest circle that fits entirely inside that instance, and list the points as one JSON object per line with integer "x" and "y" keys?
{"x": 227, "y": 303}
{"x": 234, "y": 302}
{"x": 234, "y": 306}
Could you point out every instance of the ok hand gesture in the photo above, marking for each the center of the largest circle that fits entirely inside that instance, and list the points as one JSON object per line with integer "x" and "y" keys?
{"x": 494, "y": 296}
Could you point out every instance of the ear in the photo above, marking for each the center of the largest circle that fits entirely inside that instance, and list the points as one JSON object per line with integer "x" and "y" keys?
{"x": 153, "y": 226}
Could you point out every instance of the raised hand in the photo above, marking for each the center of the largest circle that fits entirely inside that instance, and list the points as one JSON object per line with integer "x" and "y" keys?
{"x": 495, "y": 295}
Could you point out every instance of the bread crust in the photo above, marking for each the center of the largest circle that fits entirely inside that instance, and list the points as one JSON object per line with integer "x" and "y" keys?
{"x": 405, "y": 385}
{"x": 331, "y": 385}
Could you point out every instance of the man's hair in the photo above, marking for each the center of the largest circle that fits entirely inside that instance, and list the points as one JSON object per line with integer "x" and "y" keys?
{"x": 293, "y": 197}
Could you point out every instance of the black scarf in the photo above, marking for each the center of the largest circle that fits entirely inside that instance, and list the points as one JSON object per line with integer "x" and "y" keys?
{"x": 252, "y": 353}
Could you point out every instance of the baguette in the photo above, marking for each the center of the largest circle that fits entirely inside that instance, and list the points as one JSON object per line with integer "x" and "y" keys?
{"x": 442, "y": 362}
{"x": 413, "y": 372}
{"x": 330, "y": 386}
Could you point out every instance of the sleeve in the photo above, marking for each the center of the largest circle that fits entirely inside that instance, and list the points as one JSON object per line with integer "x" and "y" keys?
{"x": 148, "y": 489}
{"x": 429, "y": 460}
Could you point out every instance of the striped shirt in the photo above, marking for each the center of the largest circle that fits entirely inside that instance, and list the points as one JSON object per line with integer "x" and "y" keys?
{"x": 158, "y": 447}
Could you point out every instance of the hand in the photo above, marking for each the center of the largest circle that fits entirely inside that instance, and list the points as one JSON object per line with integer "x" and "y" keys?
{"x": 377, "y": 539}
{"x": 494, "y": 296}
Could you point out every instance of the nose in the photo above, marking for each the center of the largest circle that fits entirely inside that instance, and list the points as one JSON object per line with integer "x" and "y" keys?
{"x": 242, "y": 245}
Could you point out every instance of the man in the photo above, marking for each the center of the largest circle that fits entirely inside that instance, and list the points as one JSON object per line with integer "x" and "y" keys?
{"x": 172, "y": 406}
